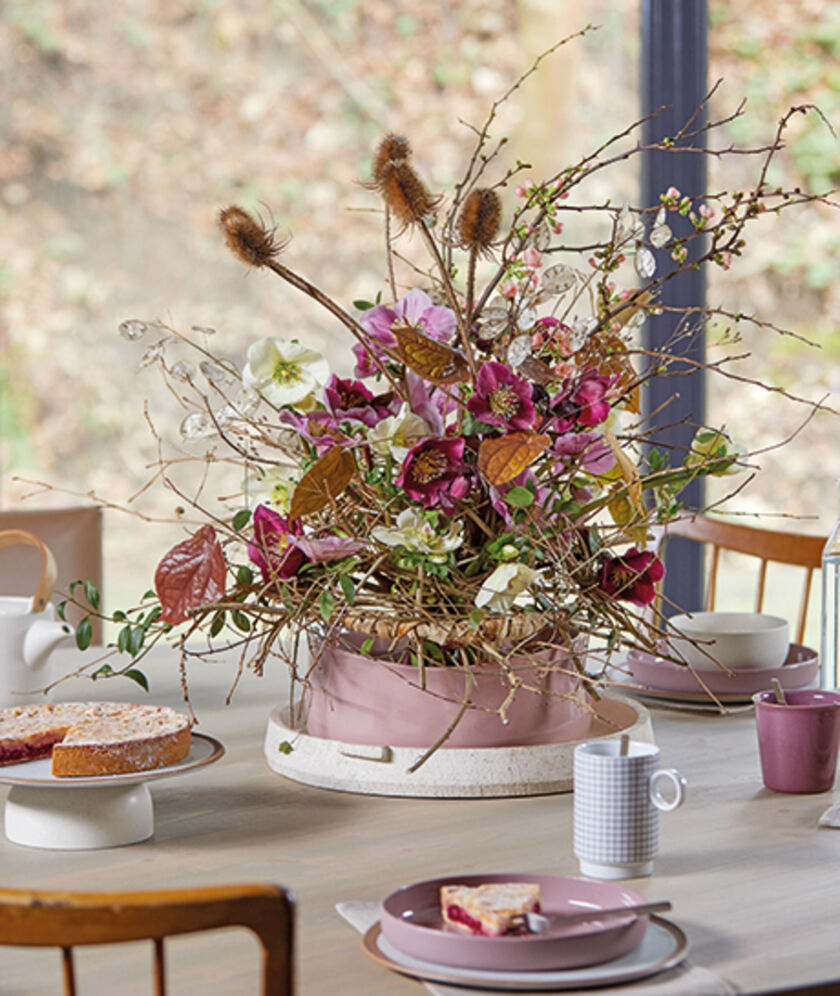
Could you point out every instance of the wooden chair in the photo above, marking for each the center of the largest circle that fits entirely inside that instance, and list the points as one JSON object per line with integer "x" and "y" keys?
{"x": 767, "y": 545}
{"x": 74, "y": 535}
{"x": 70, "y": 919}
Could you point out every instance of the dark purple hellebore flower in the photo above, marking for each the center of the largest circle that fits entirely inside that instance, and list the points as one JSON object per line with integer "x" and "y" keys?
{"x": 583, "y": 401}
{"x": 501, "y": 398}
{"x": 632, "y": 577}
{"x": 433, "y": 472}
{"x": 350, "y": 400}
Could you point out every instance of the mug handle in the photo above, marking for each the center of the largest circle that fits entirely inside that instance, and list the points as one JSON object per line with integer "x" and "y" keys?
{"x": 678, "y": 784}
{"x": 49, "y": 571}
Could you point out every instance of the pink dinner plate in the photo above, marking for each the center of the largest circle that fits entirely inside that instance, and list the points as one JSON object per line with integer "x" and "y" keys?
{"x": 411, "y": 921}
{"x": 660, "y": 675}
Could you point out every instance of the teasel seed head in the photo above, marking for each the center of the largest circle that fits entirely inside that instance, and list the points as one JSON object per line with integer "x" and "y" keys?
{"x": 391, "y": 148}
{"x": 478, "y": 223}
{"x": 247, "y": 238}
{"x": 405, "y": 193}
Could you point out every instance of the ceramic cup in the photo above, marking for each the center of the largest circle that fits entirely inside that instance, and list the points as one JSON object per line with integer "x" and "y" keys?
{"x": 798, "y": 740}
{"x": 617, "y": 800}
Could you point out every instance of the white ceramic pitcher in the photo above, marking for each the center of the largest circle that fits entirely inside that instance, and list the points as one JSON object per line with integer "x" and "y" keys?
{"x": 29, "y": 630}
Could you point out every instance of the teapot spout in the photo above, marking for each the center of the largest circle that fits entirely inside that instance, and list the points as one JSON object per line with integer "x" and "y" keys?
{"x": 41, "y": 639}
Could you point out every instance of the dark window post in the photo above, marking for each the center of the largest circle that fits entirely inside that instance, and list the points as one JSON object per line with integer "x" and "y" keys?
{"x": 674, "y": 59}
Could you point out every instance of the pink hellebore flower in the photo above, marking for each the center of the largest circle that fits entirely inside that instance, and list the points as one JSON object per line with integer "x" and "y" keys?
{"x": 632, "y": 577}
{"x": 329, "y": 547}
{"x": 433, "y": 472}
{"x": 319, "y": 428}
{"x": 501, "y": 398}
{"x": 588, "y": 448}
{"x": 416, "y": 310}
{"x": 583, "y": 402}
{"x": 272, "y": 547}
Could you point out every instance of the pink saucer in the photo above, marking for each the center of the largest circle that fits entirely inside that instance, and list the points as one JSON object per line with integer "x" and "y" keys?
{"x": 800, "y": 668}
{"x": 411, "y": 921}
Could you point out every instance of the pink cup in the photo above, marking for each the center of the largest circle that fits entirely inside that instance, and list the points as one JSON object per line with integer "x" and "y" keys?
{"x": 798, "y": 740}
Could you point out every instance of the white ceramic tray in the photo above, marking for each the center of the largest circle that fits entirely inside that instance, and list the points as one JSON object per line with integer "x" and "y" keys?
{"x": 69, "y": 814}
{"x": 464, "y": 772}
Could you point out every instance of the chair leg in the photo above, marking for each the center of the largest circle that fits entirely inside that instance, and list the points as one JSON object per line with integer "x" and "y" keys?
{"x": 69, "y": 973}
{"x": 160, "y": 968}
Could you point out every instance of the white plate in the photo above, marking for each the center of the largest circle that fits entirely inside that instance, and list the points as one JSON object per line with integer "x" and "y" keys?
{"x": 663, "y": 947}
{"x": 204, "y": 749}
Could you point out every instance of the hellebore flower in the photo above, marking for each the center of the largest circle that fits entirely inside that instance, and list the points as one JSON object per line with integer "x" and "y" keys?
{"x": 632, "y": 577}
{"x": 433, "y": 472}
{"x": 396, "y": 434}
{"x": 583, "y": 401}
{"x": 274, "y": 486}
{"x": 272, "y": 547}
{"x": 285, "y": 373}
{"x": 414, "y": 309}
{"x": 501, "y": 398}
{"x": 507, "y": 582}
{"x": 350, "y": 400}
{"x": 329, "y": 547}
{"x": 416, "y": 533}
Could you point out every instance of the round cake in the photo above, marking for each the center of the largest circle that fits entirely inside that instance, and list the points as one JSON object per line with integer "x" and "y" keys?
{"x": 94, "y": 738}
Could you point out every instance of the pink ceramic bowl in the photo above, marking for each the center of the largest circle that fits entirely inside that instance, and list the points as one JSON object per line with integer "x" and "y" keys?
{"x": 798, "y": 740}
{"x": 411, "y": 921}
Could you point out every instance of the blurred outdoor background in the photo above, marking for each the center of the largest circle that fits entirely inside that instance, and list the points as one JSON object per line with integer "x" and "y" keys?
{"x": 125, "y": 127}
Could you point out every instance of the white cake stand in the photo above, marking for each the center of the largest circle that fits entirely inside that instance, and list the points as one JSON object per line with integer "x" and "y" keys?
{"x": 80, "y": 814}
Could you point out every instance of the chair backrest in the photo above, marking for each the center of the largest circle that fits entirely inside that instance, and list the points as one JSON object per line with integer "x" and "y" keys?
{"x": 74, "y": 535}
{"x": 767, "y": 545}
{"x": 69, "y": 919}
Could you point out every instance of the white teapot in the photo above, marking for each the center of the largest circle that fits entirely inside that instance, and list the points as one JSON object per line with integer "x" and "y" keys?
{"x": 29, "y": 630}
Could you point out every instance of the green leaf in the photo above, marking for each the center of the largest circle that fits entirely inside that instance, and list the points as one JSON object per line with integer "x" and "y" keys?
{"x": 92, "y": 594}
{"x": 73, "y": 587}
{"x": 519, "y": 497}
{"x": 123, "y": 638}
{"x": 363, "y": 305}
{"x": 240, "y": 621}
{"x": 364, "y": 650}
{"x": 102, "y": 672}
{"x": 84, "y": 634}
{"x": 119, "y": 616}
{"x": 326, "y": 604}
{"x": 59, "y": 611}
{"x": 285, "y": 747}
{"x": 218, "y": 623}
{"x": 135, "y": 640}
{"x": 347, "y": 587}
{"x": 241, "y": 519}
{"x": 476, "y": 615}
{"x": 137, "y": 676}
{"x": 244, "y": 574}
{"x": 148, "y": 594}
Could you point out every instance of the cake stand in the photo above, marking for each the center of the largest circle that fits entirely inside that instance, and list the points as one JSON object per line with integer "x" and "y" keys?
{"x": 79, "y": 814}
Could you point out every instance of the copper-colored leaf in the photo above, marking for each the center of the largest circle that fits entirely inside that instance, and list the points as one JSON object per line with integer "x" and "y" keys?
{"x": 537, "y": 371}
{"x": 505, "y": 457}
{"x": 323, "y": 482}
{"x": 432, "y": 360}
{"x": 192, "y": 574}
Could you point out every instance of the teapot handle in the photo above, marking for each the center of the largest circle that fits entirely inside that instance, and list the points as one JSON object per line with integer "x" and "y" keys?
{"x": 49, "y": 571}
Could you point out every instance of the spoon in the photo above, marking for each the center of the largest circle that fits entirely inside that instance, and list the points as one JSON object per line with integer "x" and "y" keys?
{"x": 778, "y": 691}
{"x": 536, "y": 923}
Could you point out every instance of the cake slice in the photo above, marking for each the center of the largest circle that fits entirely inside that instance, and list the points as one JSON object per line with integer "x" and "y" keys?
{"x": 29, "y": 732}
{"x": 488, "y": 909}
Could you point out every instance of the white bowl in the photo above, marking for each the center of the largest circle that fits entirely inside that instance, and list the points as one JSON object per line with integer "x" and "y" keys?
{"x": 740, "y": 641}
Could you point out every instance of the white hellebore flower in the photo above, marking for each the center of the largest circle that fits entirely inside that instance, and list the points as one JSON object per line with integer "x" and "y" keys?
{"x": 500, "y": 591}
{"x": 397, "y": 434}
{"x": 285, "y": 373}
{"x": 273, "y": 486}
{"x": 415, "y": 533}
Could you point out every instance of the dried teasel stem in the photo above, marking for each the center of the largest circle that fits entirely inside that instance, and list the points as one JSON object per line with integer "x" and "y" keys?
{"x": 257, "y": 246}
{"x": 477, "y": 226}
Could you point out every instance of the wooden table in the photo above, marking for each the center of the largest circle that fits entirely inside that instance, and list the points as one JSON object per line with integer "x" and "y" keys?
{"x": 753, "y": 881}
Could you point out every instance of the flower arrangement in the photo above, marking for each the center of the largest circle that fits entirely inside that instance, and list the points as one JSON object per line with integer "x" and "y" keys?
{"x": 479, "y": 485}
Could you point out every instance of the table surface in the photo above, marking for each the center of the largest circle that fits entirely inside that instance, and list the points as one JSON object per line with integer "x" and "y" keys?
{"x": 753, "y": 880}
